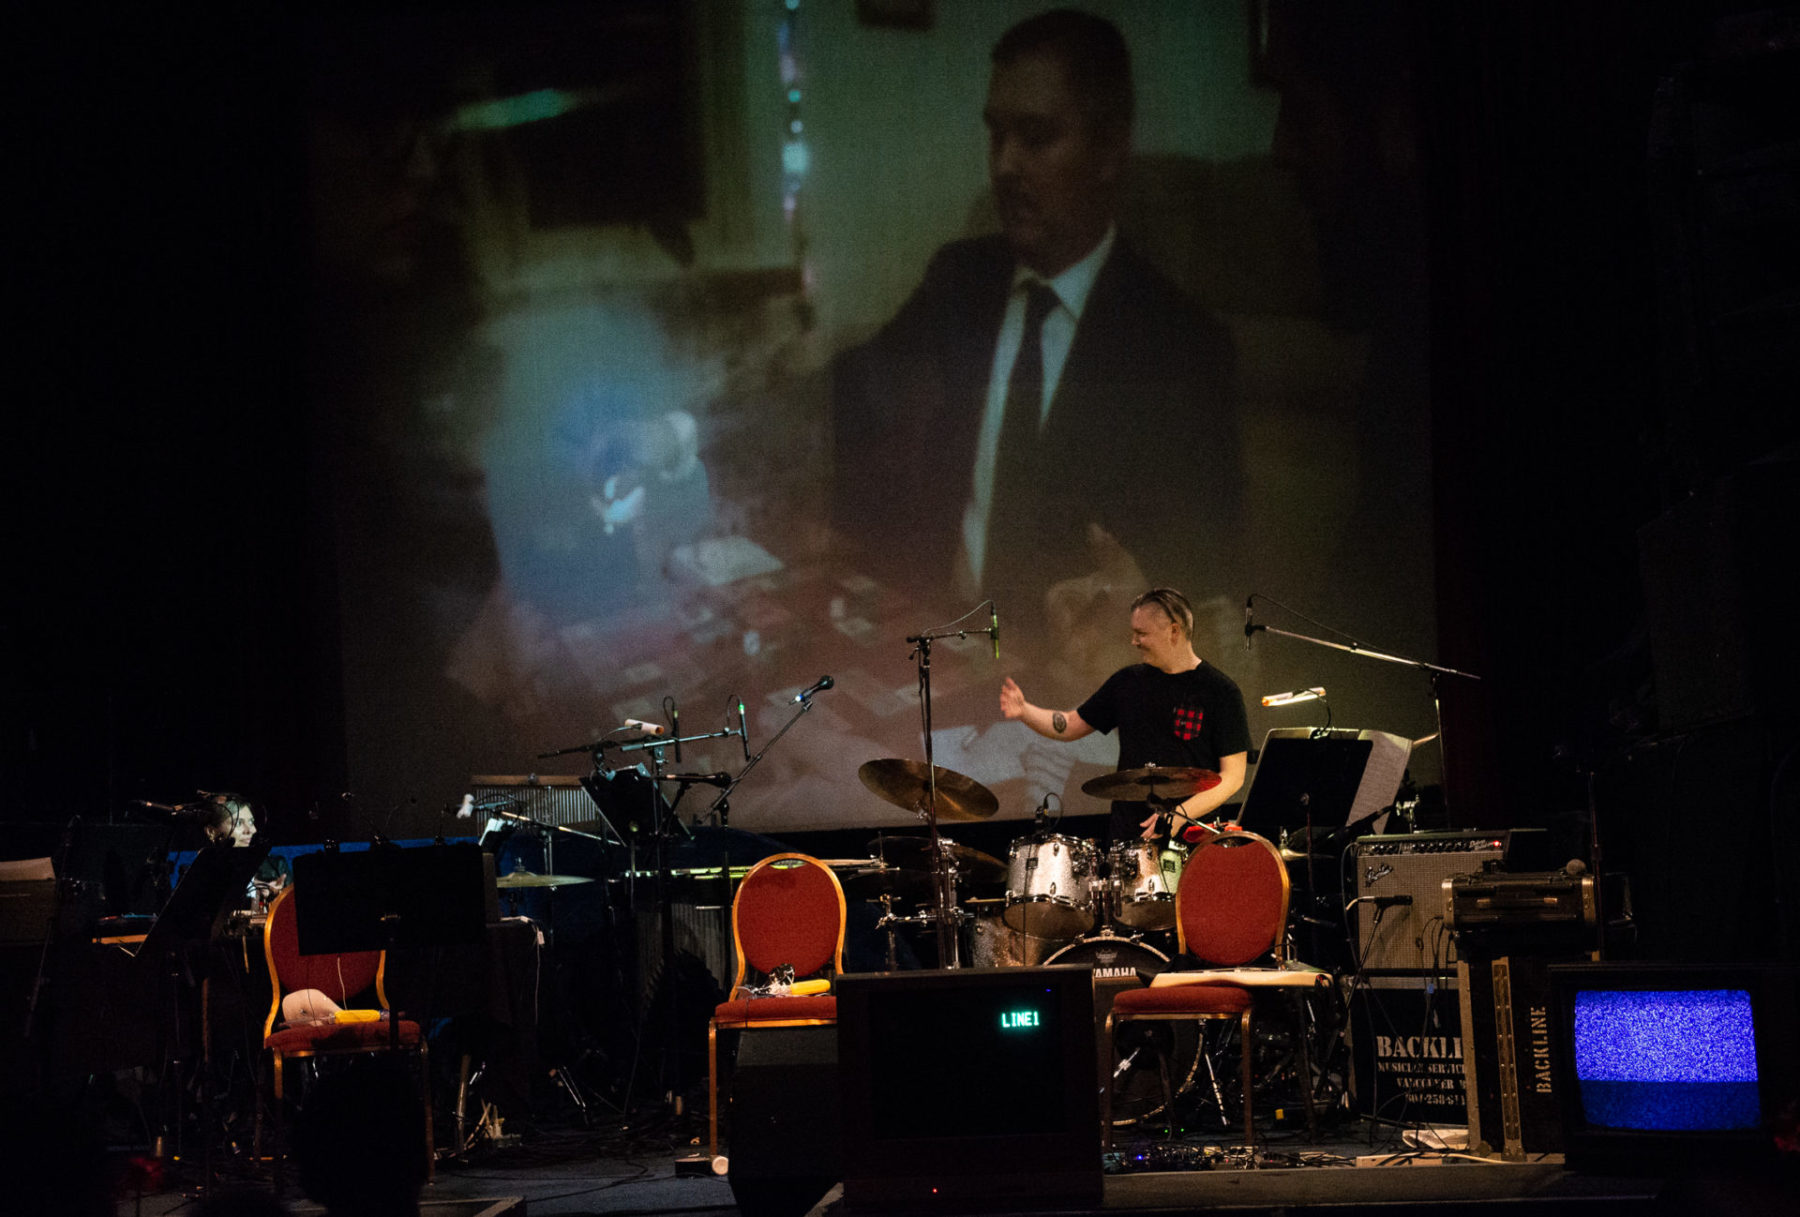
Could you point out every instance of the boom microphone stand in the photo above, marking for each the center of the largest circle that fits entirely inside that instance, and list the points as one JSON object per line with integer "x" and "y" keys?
{"x": 1437, "y": 673}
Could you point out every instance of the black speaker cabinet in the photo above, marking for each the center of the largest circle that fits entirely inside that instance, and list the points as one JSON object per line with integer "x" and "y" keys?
{"x": 782, "y": 1126}
{"x": 972, "y": 1090}
{"x": 1407, "y": 1055}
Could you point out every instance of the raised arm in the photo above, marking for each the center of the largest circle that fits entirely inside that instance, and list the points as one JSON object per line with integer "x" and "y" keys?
{"x": 1051, "y": 724}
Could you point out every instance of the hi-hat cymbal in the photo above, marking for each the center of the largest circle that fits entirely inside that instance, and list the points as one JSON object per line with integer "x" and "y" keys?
{"x": 1150, "y": 782}
{"x": 525, "y": 878}
{"x": 873, "y": 879}
{"x": 906, "y": 784}
{"x": 914, "y": 854}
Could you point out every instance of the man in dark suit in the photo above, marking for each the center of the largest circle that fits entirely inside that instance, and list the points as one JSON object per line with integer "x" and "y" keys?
{"x": 1047, "y": 421}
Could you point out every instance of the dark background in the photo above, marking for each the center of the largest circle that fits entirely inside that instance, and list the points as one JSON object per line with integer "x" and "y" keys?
{"x": 1612, "y": 341}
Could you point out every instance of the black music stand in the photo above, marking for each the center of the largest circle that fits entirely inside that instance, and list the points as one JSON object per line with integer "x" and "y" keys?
{"x": 388, "y": 899}
{"x": 195, "y": 913}
{"x": 191, "y": 921}
{"x": 1322, "y": 779}
{"x": 1312, "y": 782}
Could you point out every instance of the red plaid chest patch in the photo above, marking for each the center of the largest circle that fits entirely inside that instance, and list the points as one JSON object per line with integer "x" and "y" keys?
{"x": 1188, "y": 720}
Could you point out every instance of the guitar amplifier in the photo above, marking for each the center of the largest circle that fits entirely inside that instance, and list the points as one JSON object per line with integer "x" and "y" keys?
{"x": 1412, "y": 938}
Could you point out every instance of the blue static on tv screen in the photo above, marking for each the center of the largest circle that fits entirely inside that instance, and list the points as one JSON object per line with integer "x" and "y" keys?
{"x": 1667, "y": 1061}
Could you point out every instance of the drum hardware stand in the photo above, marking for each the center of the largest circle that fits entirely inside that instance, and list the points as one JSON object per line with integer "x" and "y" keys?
{"x": 945, "y": 916}
{"x": 665, "y": 822}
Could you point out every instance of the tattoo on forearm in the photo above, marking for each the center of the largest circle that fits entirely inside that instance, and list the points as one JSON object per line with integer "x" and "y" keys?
{"x": 1060, "y": 722}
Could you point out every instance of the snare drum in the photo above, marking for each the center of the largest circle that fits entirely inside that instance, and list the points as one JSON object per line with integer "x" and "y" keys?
{"x": 1141, "y": 881}
{"x": 1049, "y": 886}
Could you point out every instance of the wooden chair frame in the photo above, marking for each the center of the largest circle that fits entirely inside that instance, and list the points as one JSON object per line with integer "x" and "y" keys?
{"x": 278, "y": 1057}
{"x": 1185, "y": 892}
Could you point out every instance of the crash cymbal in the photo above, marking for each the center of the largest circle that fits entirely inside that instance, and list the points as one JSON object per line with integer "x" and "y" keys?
{"x": 524, "y": 878}
{"x": 904, "y": 784}
{"x": 914, "y": 854}
{"x": 1151, "y": 782}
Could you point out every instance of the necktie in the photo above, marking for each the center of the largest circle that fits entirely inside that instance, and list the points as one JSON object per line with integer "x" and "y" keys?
{"x": 1014, "y": 512}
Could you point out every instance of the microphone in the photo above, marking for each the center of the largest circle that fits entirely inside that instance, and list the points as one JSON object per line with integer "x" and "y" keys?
{"x": 639, "y": 724}
{"x": 994, "y": 626}
{"x": 1249, "y": 622}
{"x": 1296, "y": 696}
{"x": 744, "y": 730}
{"x": 675, "y": 725}
{"x": 818, "y": 686}
{"x": 1388, "y": 902}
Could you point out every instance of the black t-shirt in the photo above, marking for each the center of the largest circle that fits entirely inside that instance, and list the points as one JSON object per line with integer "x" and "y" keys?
{"x": 1182, "y": 719}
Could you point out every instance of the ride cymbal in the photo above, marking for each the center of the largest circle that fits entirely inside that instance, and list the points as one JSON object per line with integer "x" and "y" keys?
{"x": 906, "y": 784}
{"x": 1165, "y": 782}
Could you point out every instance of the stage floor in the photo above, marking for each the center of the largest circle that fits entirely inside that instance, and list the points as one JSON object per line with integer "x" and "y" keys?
{"x": 622, "y": 1171}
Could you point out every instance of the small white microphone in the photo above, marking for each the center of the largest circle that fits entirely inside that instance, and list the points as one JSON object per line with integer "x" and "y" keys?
{"x": 638, "y": 724}
{"x": 1294, "y": 697}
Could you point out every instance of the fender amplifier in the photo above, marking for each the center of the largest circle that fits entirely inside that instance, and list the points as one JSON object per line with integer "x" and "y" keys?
{"x": 1411, "y": 938}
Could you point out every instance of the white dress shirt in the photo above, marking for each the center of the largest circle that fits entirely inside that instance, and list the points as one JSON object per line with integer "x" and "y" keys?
{"x": 1072, "y": 288}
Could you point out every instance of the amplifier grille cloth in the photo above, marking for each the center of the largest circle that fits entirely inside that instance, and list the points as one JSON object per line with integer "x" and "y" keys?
{"x": 1409, "y": 937}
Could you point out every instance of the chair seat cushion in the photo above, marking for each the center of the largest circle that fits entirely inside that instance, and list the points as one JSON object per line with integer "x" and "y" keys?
{"x": 340, "y": 1037}
{"x": 748, "y": 1010}
{"x": 1182, "y": 999}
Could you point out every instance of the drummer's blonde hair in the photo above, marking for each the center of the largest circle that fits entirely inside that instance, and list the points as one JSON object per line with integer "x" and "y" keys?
{"x": 1172, "y": 604}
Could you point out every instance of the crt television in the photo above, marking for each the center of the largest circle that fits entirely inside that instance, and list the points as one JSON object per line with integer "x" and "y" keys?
{"x": 1665, "y": 1065}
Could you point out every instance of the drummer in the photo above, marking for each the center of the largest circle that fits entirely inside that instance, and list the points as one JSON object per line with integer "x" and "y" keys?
{"x": 1173, "y": 709}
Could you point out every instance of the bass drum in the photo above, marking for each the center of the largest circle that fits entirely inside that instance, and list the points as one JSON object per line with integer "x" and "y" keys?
{"x": 1138, "y": 1093}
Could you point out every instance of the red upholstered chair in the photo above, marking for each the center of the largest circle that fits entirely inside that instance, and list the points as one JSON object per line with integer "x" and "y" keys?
{"x": 343, "y": 979}
{"x": 788, "y": 913}
{"x": 1231, "y": 911}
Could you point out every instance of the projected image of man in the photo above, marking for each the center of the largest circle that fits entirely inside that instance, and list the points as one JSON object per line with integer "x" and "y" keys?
{"x": 1072, "y": 407}
{"x": 1172, "y": 709}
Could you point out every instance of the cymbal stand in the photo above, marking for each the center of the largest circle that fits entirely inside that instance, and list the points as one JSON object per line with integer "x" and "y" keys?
{"x": 546, "y": 835}
{"x": 944, "y": 913}
{"x": 666, "y": 822}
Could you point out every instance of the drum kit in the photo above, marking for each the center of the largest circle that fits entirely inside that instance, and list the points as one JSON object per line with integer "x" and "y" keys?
{"x": 1043, "y": 903}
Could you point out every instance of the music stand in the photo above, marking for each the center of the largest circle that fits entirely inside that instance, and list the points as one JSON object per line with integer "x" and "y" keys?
{"x": 1307, "y": 777}
{"x": 386, "y": 898}
{"x": 1313, "y": 778}
{"x": 191, "y": 920}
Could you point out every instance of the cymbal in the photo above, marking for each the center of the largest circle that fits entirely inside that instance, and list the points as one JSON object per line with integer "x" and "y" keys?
{"x": 1150, "y": 782}
{"x": 872, "y": 880}
{"x": 525, "y": 878}
{"x": 904, "y": 783}
{"x": 914, "y": 853}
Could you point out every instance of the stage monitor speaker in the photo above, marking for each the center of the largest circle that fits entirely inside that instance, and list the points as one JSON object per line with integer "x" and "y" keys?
{"x": 970, "y": 1089}
{"x": 1412, "y": 938}
{"x": 782, "y": 1127}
